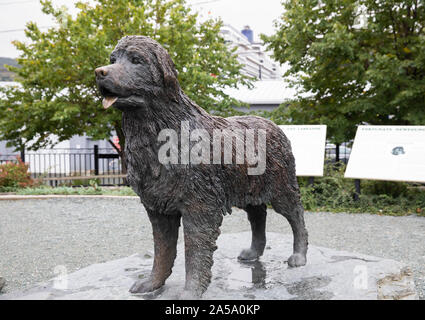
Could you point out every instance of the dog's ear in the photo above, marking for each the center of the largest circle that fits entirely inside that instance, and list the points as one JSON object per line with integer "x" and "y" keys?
{"x": 169, "y": 74}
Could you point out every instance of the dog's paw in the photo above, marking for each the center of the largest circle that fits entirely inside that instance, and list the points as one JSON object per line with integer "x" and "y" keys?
{"x": 297, "y": 260}
{"x": 248, "y": 255}
{"x": 144, "y": 286}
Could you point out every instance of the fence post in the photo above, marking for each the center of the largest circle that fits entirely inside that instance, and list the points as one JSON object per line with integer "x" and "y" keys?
{"x": 23, "y": 153}
{"x": 96, "y": 160}
{"x": 337, "y": 157}
{"x": 310, "y": 181}
{"x": 358, "y": 189}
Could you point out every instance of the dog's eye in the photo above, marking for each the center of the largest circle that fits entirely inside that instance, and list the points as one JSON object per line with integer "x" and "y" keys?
{"x": 136, "y": 60}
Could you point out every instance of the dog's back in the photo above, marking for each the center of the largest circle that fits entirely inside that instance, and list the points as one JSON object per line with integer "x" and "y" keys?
{"x": 243, "y": 188}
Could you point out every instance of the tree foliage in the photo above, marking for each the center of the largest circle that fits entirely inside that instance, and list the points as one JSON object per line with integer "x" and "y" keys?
{"x": 360, "y": 62}
{"x": 58, "y": 93}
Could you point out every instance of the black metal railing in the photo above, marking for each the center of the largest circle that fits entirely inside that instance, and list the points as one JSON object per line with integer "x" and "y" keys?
{"x": 331, "y": 153}
{"x": 74, "y": 166}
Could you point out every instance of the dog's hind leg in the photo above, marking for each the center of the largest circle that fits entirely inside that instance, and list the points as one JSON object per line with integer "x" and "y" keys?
{"x": 257, "y": 217}
{"x": 291, "y": 208}
{"x": 165, "y": 233}
{"x": 201, "y": 230}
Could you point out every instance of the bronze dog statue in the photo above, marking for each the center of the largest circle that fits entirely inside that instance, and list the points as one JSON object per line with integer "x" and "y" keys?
{"x": 142, "y": 82}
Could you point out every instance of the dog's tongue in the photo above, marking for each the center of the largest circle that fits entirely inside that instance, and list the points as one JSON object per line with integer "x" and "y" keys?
{"x": 109, "y": 101}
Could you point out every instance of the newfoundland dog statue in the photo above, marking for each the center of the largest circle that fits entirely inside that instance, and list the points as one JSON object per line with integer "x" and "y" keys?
{"x": 141, "y": 81}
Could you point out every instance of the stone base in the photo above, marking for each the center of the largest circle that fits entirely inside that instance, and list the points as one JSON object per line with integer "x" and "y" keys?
{"x": 329, "y": 274}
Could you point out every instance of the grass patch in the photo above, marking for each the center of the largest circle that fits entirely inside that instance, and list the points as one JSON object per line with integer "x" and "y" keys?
{"x": 122, "y": 191}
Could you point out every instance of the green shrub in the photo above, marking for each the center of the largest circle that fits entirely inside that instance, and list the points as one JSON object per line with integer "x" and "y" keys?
{"x": 308, "y": 198}
{"x": 79, "y": 183}
{"x": 389, "y": 188}
{"x": 334, "y": 193}
{"x": 15, "y": 175}
{"x": 330, "y": 190}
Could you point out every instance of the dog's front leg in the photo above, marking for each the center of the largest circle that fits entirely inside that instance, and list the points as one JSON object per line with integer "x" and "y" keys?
{"x": 201, "y": 230}
{"x": 165, "y": 233}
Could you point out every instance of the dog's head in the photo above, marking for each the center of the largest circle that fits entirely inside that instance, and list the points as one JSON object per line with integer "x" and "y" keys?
{"x": 140, "y": 69}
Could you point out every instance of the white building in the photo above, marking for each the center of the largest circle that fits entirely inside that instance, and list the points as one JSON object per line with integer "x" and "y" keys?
{"x": 264, "y": 95}
{"x": 257, "y": 62}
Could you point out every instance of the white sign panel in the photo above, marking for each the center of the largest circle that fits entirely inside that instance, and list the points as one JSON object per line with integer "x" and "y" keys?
{"x": 388, "y": 153}
{"x": 308, "y": 146}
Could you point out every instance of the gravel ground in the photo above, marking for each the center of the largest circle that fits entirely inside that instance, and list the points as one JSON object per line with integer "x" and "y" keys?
{"x": 37, "y": 236}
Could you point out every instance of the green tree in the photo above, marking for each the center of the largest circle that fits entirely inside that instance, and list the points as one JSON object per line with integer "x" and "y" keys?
{"x": 359, "y": 61}
{"x": 58, "y": 93}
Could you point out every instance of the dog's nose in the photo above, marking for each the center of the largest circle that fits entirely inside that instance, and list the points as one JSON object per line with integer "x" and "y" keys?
{"x": 101, "y": 72}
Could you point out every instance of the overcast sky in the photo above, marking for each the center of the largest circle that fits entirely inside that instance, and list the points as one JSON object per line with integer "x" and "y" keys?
{"x": 259, "y": 15}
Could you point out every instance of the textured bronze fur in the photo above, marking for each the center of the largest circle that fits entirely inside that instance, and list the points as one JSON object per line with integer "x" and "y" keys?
{"x": 143, "y": 77}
